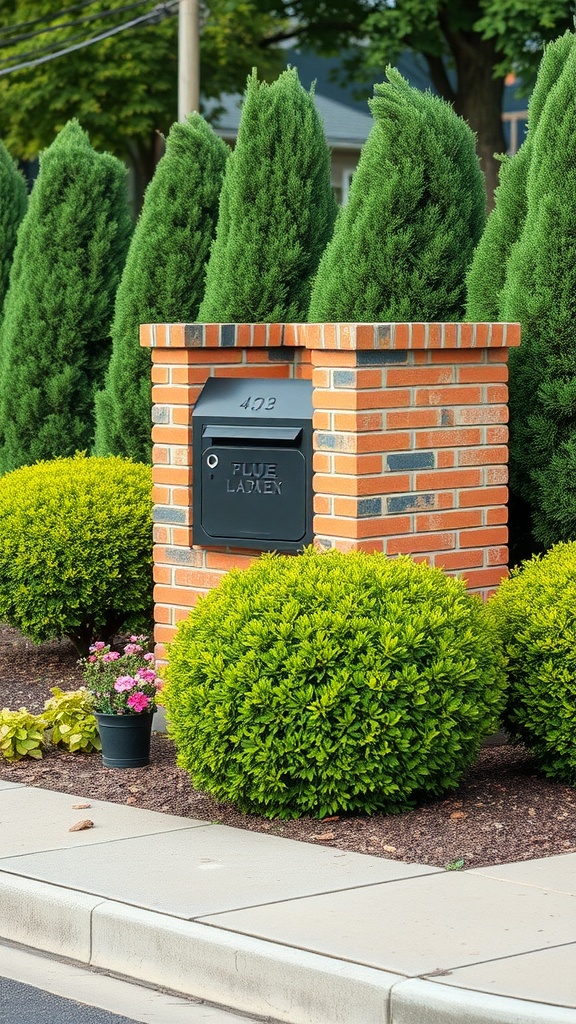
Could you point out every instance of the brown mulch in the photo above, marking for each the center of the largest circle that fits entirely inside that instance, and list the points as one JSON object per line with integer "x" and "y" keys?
{"x": 503, "y": 811}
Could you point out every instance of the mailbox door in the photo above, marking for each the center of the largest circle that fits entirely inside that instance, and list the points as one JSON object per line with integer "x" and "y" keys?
{"x": 253, "y": 492}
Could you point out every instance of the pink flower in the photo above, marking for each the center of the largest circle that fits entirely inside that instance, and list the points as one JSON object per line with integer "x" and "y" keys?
{"x": 124, "y": 683}
{"x": 149, "y": 657}
{"x": 132, "y": 649}
{"x": 138, "y": 701}
{"x": 92, "y": 658}
{"x": 147, "y": 675}
{"x": 110, "y": 656}
{"x": 98, "y": 646}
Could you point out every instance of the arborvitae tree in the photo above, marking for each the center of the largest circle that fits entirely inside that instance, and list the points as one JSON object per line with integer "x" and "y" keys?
{"x": 415, "y": 211}
{"x": 540, "y": 292}
{"x": 163, "y": 279}
{"x": 13, "y": 203}
{"x": 277, "y": 208}
{"x": 504, "y": 226}
{"x": 54, "y": 341}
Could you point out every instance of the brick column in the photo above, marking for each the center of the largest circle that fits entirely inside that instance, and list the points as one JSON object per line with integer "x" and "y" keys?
{"x": 410, "y": 442}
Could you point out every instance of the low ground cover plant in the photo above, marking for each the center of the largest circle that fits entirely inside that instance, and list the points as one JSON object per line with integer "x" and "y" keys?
{"x": 535, "y": 614}
{"x": 21, "y": 734}
{"x": 69, "y": 717}
{"x": 328, "y": 682}
{"x": 76, "y": 549}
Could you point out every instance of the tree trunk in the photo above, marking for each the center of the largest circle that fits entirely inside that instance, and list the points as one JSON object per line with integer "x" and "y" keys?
{"x": 478, "y": 98}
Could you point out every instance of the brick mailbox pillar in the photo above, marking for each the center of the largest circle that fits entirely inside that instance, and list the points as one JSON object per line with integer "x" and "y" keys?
{"x": 410, "y": 443}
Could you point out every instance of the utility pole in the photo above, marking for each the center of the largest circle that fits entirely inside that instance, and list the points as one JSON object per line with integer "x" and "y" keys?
{"x": 188, "y": 58}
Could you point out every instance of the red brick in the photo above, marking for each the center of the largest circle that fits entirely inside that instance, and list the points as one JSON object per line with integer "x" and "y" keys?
{"x": 360, "y": 465}
{"x": 453, "y": 520}
{"x": 449, "y": 396}
{"x": 453, "y": 560}
{"x": 482, "y": 414}
{"x": 482, "y": 456}
{"x": 496, "y": 515}
{"x": 417, "y": 376}
{"x": 484, "y": 537}
{"x": 449, "y": 438}
{"x": 222, "y": 560}
{"x": 478, "y": 579}
{"x": 437, "y": 480}
{"x": 482, "y": 374}
{"x": 405, "y": 419}
{"x": 483, "y": 496}
{"x": 404, "y": 545}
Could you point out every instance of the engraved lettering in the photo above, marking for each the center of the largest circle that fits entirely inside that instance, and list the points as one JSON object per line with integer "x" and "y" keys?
{"x": 236, "y": 468}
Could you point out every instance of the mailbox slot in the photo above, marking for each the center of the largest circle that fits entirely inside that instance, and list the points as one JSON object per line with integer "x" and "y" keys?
{"x": 253, "y": 464}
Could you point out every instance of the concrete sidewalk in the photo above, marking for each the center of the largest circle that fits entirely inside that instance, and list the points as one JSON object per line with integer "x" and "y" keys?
{"x": 290, "y": 931}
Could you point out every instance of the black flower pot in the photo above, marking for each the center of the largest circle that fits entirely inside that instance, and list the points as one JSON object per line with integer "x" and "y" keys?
{"x": 125, "y": 739}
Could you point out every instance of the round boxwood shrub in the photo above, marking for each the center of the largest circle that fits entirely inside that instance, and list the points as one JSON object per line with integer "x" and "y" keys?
{"x": 76, "y": 548}
{"x": 535, "y": 614}
{"x": 331, "y": 682}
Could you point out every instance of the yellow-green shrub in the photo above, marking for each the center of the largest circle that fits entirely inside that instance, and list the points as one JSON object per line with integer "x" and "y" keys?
{"x": 76, "y": 548}
{"x": 21, "y": 734}
{"x": 535, "y": 614}
{"x": 70, "y": 717}
{"x": 328, "y": 682}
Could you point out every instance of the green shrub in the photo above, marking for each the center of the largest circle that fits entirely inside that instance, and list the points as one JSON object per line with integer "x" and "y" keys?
{"x": 21, "y": 734}
{"x": 13, "y": 203}
{"x": 329, "y": 682}
{"x": 535, "y": 614}
{"x": 76, "y": 549}
{"x": 70, "y": 717}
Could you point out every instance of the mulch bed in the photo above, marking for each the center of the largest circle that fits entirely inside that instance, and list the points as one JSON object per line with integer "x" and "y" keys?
{"x": 503, "y": 811}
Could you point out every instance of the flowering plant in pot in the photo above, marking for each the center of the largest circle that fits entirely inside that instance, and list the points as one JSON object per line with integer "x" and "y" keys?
{"x": 124, "y": 691}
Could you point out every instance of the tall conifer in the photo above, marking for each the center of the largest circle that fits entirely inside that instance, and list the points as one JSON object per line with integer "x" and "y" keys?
{"x": 13, "y": 203}
{"x": 540, "y": 292}
{"x": 416, "y": 209}
{"x": 54, "y": 341}
{"x": 504, "y": 225}
{"x": 163, "y": 279}
{"x": 277, "y": 208}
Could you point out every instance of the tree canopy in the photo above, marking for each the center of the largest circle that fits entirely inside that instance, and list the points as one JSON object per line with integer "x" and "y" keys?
{"x": 468, "y": 46}
{"x": 122, "y": 89}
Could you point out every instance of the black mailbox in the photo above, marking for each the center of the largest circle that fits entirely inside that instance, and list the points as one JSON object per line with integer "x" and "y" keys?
{"x": 253, "y": 464}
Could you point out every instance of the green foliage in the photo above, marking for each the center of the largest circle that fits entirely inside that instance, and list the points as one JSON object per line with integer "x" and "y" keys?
{"x": 487, "y": 273}
{"x": 76, "y": 548}
{"x": 321, "y": 683}
{"x": 535, "y": 614}
{"x": 21, "y": 734}
{"x": 162, "y": 281}
{"x": 277, "y": 209}
{"x": 13, "y": 203}
{"x": 123, "y": 89}
{"x": 540, "y": 292}
{"x": 415, "y": 211}
{"x": 70, "y": 717}
{"x": 54, "y": 341}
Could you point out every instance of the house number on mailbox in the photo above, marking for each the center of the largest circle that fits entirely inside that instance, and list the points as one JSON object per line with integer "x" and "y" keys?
{"x": 256, "y": 404}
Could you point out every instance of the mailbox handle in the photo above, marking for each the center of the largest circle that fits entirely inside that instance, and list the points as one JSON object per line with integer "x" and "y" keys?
{"x": 221, "y": 433}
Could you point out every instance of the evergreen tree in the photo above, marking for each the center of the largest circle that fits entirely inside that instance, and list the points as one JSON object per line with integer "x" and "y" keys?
{"x": 54, "y": 341}
{"x": 415, "y": 211}
{"x": 540, "y": 292}
{"x": 13, "y": 203}
{"x": 163, "y": 279}
{"x": 504, "y": 226}
{"x": 277, "y": 208}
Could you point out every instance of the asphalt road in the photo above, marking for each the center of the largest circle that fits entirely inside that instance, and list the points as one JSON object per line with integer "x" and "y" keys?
{"x": 19, "y": 1002}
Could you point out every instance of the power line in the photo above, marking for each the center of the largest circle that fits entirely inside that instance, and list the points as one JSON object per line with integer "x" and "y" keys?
{"x": 50, "y": 17}
{"x": 161, "y": 11}
{"x": 55, "y": 28}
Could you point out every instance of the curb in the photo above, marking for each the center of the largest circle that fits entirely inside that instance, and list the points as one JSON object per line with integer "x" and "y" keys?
{"x": 236, "y": 971}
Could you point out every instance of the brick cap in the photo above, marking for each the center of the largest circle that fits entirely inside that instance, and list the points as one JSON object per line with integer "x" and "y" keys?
{"x": 333, "y": 336}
